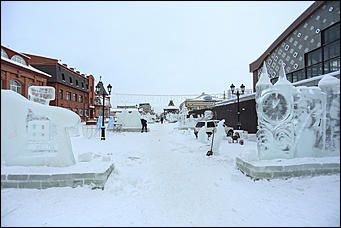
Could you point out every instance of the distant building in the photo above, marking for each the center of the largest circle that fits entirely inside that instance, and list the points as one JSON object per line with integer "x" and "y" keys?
{"x": 17, "y": 74}
{"x": 74, "y": 90}
{"x": 130, "y": 106}
{"x": 171, "y": 108}
{"x": 309, "y": 47}
{"x": 204, "y": 101}
{"x": 146, "y": 108}
{"x": 99, "y": 101}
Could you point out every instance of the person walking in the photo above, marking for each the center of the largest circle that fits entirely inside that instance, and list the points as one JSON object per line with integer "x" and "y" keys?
{"x": 162, "y": 119}
{"x": 144, "y": 125}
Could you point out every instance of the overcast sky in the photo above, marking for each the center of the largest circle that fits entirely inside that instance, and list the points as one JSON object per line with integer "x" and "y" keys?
{"x": 151, "y": 47}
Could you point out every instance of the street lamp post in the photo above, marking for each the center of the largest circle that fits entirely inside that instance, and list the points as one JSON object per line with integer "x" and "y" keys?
{"x": 242, "y": 88}
{"x": 98, "y": 90}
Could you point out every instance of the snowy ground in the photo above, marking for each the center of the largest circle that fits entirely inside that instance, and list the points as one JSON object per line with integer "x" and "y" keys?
{"x": 163, "y": 178}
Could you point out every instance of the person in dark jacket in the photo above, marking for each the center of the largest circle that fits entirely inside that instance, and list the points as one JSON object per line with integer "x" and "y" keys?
{"x": 162, "y": 119}
{"x": 144, "y": 125}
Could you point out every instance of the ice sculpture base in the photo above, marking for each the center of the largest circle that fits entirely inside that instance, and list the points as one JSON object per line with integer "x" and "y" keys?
{"x": 287, "y": 168}
{"x": 94, "y": 173}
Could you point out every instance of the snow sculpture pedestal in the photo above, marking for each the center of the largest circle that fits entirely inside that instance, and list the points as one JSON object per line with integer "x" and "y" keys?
{"x": 297, "y": 126}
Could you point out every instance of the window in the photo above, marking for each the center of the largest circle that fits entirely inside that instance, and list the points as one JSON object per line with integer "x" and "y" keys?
{"x": 331, "y": 50}
{"x": 63, "y": 76}
{"x": 314, "y": 57}
{"x": 76, "y": 82}
{"x": 331, "y": 34}
{"x": 3, "y": 53}
{"x": 18, "y": 59}
{"x": 60, "y": 94}
{"x": 86, "y": 112}
{"x": 68, "y": 96}
{"x": 200, "y": 124}
{"x": 15, "y": 86}
{"x": 298, "y": 75}
{"x": 76, "y": 110}
{"x": 210, "y": 124}
{"x": 83, "y": 85}
{"x": 81, "y": 112}
{"x": 80, "y": 99}
{"x": 87, "y": 86}
{"x": 332, "y": 65}
{"x": 74, "y": 97}
{"x": 314, "y": 70}
{"x": 70, "y": 80}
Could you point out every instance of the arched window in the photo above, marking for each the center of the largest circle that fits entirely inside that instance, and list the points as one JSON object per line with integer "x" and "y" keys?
{"x": 15, "y": 86}
{"x": 18, "y": 59}
{"x": 3, "y": 53}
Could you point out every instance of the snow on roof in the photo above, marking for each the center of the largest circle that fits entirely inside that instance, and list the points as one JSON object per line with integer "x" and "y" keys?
{"x": 17, "y": 52}
{"x": 171, "y": 107}
{"x": 29, "y": 67}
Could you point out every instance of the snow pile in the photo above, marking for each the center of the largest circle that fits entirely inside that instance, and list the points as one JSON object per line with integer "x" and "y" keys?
{"x": 164, "y": 178}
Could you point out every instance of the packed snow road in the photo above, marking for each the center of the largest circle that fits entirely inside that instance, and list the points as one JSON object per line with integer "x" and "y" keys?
{"x": 164, "y": 178}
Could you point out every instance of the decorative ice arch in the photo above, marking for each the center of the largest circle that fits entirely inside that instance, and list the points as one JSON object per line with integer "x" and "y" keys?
{"x": 297, "y": 121}
{"x": 34, "y": 133}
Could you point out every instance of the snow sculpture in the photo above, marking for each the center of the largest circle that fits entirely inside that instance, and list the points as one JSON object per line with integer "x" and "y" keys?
{"x": 202, "y": 136}
{"x": 111, "y": 123}
{"x": 129, "y": 119}
{"x": 208, "y": 115}
{"x": 35, "y": 134}
{"x": 41, "y": 94}
{"x": 292, "y": 120}
{"x": 218, "y": 136}
{"x": 331, "y": 86}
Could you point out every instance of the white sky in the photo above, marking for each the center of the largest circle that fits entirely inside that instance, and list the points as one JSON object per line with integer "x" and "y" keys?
{"x": 151, "y": 47}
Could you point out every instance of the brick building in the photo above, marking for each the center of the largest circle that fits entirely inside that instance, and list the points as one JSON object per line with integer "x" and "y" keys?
{"x": 17, "y": 74}
{"x": 74, "y": 91}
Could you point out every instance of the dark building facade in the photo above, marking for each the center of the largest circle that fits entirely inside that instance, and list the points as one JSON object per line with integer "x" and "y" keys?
{"x": 309, "y": 47}
{"x": 227, "y": 110}
{"x": 74, "y": 90}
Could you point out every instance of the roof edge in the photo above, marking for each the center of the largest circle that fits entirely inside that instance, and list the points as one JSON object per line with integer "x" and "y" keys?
{"x": 257, "y": 63}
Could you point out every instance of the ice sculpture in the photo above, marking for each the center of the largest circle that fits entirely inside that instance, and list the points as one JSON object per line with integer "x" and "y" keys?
{"x": 111, "y": 123}
{"x": 129, "y": 119}
{"x": 33, "y": 134}
{"x": 218, "y": 136}
{"x": 292, "y": 121}
{"x": 331, "y": 86}
{"x": 202, "y": 136}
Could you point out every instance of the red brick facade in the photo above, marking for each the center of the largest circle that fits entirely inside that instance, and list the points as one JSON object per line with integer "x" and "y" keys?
{"x": 23, "y": 74}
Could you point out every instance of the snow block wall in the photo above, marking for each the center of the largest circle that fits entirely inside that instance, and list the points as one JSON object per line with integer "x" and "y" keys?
{"x": 297, "y": 121}
{"x": 129, "y": 119}
{"x": 35, "y": 134}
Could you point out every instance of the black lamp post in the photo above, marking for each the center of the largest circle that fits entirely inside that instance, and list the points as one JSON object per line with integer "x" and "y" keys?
{"x": 242, "y": 88}
{"x": 98, "y": 90}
